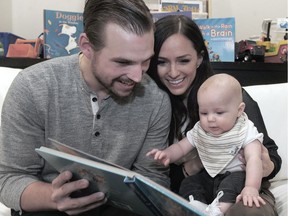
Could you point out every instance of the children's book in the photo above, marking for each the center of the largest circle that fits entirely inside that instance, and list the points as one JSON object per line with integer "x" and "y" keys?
{"x": 219, "y": 35}
{"x": 158, "y": 15}
{"x": 124, "y": 188}
{"x": 61, "y": 32}
{"x": 172, "y": 5}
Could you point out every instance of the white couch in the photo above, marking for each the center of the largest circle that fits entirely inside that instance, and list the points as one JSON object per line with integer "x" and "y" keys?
{"x": 272, "y": 100}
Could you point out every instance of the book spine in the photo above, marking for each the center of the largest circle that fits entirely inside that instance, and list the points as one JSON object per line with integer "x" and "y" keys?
{"x": 130, "y": 182}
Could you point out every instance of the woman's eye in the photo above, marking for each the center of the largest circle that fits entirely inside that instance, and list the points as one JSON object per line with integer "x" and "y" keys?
{"x": 184, "y": 61}
{"x": 160, "y": 62}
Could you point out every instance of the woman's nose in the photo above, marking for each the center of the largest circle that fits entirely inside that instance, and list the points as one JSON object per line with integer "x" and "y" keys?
{"x": 174, "y": 72}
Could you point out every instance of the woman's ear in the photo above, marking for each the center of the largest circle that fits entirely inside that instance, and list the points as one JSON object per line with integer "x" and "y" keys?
{"x": 200, "y": 59}
{"x": 85, "y": 45}
{"x": 241, "y": 108}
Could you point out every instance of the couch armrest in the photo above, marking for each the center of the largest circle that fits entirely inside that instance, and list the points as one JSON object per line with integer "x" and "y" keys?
{"x": 7, "y": 75}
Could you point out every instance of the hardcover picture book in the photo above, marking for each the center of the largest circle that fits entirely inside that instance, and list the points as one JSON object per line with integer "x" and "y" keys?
{"x": 158, "y": 15}
{"x": 61, "y": 32}
{"x": 172, "y": 5}
{"x": 124, "y": 188}
{"x": 219, "y": 35}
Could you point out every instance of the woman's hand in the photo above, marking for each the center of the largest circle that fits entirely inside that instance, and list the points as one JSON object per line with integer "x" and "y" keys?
{"x": 267, "y": 164}
{"x": 61, "y": 190}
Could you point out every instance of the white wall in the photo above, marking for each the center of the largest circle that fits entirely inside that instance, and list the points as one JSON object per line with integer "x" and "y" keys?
{"x": 5, "y": 16}
{"x": 249, "y": 14}
{"x": 25, "y": 17}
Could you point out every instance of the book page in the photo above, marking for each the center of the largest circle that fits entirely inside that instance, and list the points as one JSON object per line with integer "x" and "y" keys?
{"x": 73, "y": 151}
{"x": 102, "y": 177}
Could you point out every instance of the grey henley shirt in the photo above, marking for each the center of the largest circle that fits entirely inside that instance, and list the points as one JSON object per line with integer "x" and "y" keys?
{"x": 51, "y": 100}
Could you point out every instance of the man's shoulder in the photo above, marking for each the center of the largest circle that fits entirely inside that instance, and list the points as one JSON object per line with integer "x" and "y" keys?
{"x": 151, "y": 88}
{"x": 148, "y": 94}
{"x": 56, "y": 67}
{"x": 56, "y": 63}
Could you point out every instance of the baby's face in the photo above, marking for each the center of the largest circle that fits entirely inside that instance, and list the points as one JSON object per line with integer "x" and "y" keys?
{"x": 218, "y": 111}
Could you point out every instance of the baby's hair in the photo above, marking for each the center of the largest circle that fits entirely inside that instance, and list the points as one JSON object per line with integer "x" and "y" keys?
{"x": 226, "y": 81}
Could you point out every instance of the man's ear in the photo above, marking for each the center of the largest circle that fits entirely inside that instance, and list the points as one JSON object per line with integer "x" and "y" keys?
{"x": 241, "y": 108}
{"x": 85, "y": 45}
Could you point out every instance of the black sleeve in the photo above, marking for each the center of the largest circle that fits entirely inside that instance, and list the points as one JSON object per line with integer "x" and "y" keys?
{"x": 253, "y": 112}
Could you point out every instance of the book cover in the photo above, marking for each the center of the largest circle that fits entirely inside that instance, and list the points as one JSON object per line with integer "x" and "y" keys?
{"x": 219, "y": 35}
{"x": 124, "y": 188}
{"x": 61, "y": 32}
{"x": 153, "y": 5}
{"x": 158, "y": 15}
{"x": 172, "y": 5}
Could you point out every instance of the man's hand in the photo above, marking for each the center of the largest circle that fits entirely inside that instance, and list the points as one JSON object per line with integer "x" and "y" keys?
{"x": 61, "y": 190}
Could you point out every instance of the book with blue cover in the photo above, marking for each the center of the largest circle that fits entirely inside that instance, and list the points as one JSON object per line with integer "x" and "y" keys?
{"x": 219, "y": 35}
{"x": 61, "y": 32}
{"x": 124, "y": 188}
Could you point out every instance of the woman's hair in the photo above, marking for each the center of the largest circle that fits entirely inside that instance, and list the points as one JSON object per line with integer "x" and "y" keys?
{"x": 166, "y": 27}
{"x": 132, "y": 15}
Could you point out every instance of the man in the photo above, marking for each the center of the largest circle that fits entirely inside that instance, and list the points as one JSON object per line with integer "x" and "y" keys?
{"x": 99, "y": 101}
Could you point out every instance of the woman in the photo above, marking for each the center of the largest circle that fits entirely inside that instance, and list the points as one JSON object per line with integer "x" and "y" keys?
{"x": 180, "y": 65}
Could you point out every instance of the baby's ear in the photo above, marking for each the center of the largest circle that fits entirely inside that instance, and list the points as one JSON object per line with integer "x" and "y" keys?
{"x": 241, "y": 108}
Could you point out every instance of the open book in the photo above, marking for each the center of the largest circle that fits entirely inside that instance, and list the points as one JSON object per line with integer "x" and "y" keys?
{"x": 124, "y": 188}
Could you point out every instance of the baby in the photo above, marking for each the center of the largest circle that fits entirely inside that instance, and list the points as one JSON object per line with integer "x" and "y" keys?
{"x": 222, "y": 131}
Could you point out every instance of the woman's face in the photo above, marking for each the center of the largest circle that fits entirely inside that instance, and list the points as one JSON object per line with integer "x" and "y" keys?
{"x": 177, "y": 64}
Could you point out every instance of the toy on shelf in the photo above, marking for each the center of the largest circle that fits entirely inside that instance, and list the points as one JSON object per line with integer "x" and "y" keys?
{"x": 276, "y": 52}
{"x": 248, "y": 51}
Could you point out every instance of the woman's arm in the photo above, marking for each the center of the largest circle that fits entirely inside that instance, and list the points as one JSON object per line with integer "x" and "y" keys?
{"x": 254, "y": 114}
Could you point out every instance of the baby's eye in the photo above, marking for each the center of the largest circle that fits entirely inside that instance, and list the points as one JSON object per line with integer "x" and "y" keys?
{"x": 203, "y": 113}
{"x": 219, "y": 113}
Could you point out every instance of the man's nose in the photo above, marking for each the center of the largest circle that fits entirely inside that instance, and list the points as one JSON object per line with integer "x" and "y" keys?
{"x": 136, "y": 74}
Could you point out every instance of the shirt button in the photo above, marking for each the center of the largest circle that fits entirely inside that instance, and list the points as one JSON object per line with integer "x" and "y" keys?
{"x": 98, "y": 116}
{"x": 94, "y": 99}
{"x": 97, "y": 134}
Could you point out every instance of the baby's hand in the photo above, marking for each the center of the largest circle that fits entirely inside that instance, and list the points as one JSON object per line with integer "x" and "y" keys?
{"x": 159, "y": 156}
{"x": 250, "y": 195}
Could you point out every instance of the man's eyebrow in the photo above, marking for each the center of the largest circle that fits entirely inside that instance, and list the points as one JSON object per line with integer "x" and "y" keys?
{"x": 120, "y": 59}
{"x": 124, "y": 60}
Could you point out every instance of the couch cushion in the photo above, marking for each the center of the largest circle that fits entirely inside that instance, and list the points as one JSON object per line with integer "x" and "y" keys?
{"x": 272, "y": 100}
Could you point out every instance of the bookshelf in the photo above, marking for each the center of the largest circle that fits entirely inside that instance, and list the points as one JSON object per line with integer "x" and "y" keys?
{"x": 199, "y": 8}
{"x": 248, "y": 73}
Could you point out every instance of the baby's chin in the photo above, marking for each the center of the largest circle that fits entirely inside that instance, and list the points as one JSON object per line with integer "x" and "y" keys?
{"x": 215, "y": 131}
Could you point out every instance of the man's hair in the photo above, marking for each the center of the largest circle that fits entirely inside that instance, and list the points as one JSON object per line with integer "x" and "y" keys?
{"x": 132, "y": 15}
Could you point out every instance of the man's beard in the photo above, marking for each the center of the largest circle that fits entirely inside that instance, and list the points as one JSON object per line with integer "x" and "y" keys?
{"x": 111, "y": 91}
